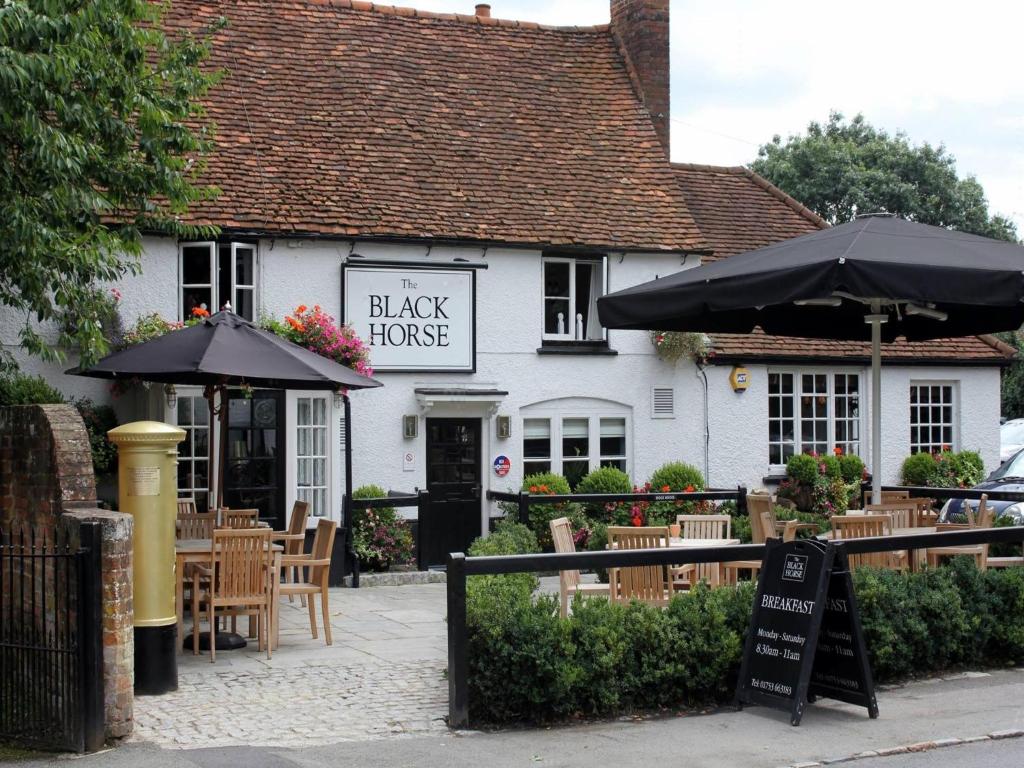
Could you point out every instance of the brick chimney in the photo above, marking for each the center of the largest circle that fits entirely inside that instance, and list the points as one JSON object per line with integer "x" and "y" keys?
{"x": 641, "y": 27}
{"x": 483, "y": 10}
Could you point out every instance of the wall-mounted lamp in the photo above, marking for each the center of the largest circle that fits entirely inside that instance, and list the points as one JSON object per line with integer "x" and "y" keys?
{"x": 410, "y": 426}
{"x": 339, "y": 398}
{"x": 503, "y": 424}
{"x": 171, "y": 396}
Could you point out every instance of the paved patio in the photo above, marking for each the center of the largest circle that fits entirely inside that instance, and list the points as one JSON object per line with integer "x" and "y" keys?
{"x": 382, "y": 677}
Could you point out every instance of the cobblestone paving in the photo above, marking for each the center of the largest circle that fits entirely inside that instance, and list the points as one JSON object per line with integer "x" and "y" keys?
{"x": 383, "y": 677}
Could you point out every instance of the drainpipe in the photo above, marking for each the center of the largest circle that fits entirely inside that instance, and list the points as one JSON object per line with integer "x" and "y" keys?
{"x": 707, "y": 427}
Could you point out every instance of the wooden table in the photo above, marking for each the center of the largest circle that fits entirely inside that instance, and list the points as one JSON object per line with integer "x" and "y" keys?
{"x": 680, "y": 542}
{"x": 198, "y": 551}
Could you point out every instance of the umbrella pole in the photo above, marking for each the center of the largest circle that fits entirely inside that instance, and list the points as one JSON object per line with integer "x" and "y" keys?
{"x": 223, "y": 447}
{"x": 876, "y": 318}
{"x": 209, "y": 393}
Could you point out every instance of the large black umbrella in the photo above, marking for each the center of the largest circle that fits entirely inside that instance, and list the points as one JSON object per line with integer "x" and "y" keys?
{"x": 226, "y": 350}
{"x": 873, "y": 278}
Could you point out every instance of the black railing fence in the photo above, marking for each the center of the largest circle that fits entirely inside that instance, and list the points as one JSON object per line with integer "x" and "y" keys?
{"x": 420, "y": 500}
{"x": 460, "y": 567}
{"x": 51, "y": 641}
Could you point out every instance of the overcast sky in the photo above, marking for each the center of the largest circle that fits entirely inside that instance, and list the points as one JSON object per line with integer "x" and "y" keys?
{"x": 742, "y": 71}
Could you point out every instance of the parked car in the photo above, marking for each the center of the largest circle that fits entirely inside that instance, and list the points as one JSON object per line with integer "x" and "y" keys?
{"x": 1011, "y": 438}
{"x": 1009, "y": 476}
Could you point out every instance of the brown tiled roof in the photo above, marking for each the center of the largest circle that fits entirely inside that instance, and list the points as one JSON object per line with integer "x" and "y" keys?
{"x": 739, "y": 211}
{"x": 759, "y": 346}
{"x": 344, "y": 118}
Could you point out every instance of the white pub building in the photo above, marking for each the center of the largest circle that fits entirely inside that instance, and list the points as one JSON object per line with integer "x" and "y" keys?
{"x": 461, "y": 190}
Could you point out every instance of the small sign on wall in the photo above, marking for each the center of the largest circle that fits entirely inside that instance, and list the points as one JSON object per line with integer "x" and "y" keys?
{"x": 408, "y": 461}
{"x": 502, "y": 465}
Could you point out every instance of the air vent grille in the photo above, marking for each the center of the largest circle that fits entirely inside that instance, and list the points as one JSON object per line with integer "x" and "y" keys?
{"x": 663, "y": 402}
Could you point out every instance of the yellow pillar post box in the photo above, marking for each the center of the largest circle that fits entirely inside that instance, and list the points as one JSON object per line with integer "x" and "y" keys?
{"x": 148, "y": 491}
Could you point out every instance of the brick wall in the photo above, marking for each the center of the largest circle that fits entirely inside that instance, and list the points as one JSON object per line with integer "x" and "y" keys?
{"x": 45, "y": 464}
{"x": 641, "y": 27}
{"x": 47, "y": 483}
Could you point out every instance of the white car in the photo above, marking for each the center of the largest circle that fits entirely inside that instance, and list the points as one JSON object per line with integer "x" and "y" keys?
{"x": 1011, "y": 438}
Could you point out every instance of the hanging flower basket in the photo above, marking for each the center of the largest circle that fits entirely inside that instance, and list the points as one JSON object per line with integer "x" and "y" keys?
{"x": 673, "y": 346}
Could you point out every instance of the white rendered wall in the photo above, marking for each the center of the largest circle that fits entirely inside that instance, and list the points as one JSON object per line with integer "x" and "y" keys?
{"x": 739, "y": 421}
{"x": 509, "y": 313}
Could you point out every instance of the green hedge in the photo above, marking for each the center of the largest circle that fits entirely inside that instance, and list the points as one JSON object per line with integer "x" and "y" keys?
{"x": 528, "y": 665}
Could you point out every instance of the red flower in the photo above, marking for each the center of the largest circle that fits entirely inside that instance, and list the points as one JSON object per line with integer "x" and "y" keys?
{"x": 689, "y": 489}
{"x": 200, "y": 312}
{"x": 665, "y": 489}
{"x": 838, "y": 451}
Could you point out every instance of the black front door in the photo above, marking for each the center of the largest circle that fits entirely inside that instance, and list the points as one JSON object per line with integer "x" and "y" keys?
{"x": 254, "y": 470}
{"x": 453, "y": 480}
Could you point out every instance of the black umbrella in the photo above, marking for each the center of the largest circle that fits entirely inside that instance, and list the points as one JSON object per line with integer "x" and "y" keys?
{"x": 873, "y": 278}
{"x": 227, "y": 350}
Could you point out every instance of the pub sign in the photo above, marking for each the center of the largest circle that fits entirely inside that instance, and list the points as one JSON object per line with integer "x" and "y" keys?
{"x": 413, "y": 319}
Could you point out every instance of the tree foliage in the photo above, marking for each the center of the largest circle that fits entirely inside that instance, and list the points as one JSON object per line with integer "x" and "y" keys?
{"x": 102, "y": 137}
{"x": 845, "y": 167}
{"x": 1013, "y": 378}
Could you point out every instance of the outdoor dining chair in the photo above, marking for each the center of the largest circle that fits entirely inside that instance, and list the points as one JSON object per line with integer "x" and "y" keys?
{"x": 650, "y": 584}
{"x": 569, "y": 582}
{"x": 313, "y": 570}
{"x": 195, "y": 525}
{"x": 865, "y": 526}
{"x": 701, "y": 527}
{"x": 763, "y": 523}
{"x": 982, "y": 518}
{"x": 186, "y": 507}
{"x": 904, "y": 512}
{"x": 887, "y": 496}
{"x": 294, "y": 537}
{"x": 237, "y": 582}
{"x": 240, "y": 518}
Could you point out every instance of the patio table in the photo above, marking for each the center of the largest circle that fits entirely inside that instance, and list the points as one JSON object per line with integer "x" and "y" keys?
{"x": 198, "y": 551}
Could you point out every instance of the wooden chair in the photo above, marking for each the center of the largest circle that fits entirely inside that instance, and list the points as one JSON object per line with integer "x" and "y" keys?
{"x": 294, "y": 537}
{"x": 701, "y": 527}
{"x": 313, "y": 570}
{"x": 705, "y": 526}
{"x": 648, "y": 583}
{"x": 982, "y": 518}
{"x": 764, "y": 525}
{"x": 238, "y": 582}
{"x": 569, "y": 582}
{"x": 186, "y": 507}
{"x": 904, "y": 513}
{"x": 887, "y": 496}
{"x": 864, "y": 526}
{"x": 240, "y": 518}
{"x": 197, "y": 525}
{"x": 926, "y": 514}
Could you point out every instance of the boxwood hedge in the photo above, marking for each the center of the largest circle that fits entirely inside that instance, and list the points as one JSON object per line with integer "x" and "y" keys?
{"x": 526, "y": 664}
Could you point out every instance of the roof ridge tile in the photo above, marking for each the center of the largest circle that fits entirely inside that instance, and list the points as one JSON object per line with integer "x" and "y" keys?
{"x": 364, "y": 6}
